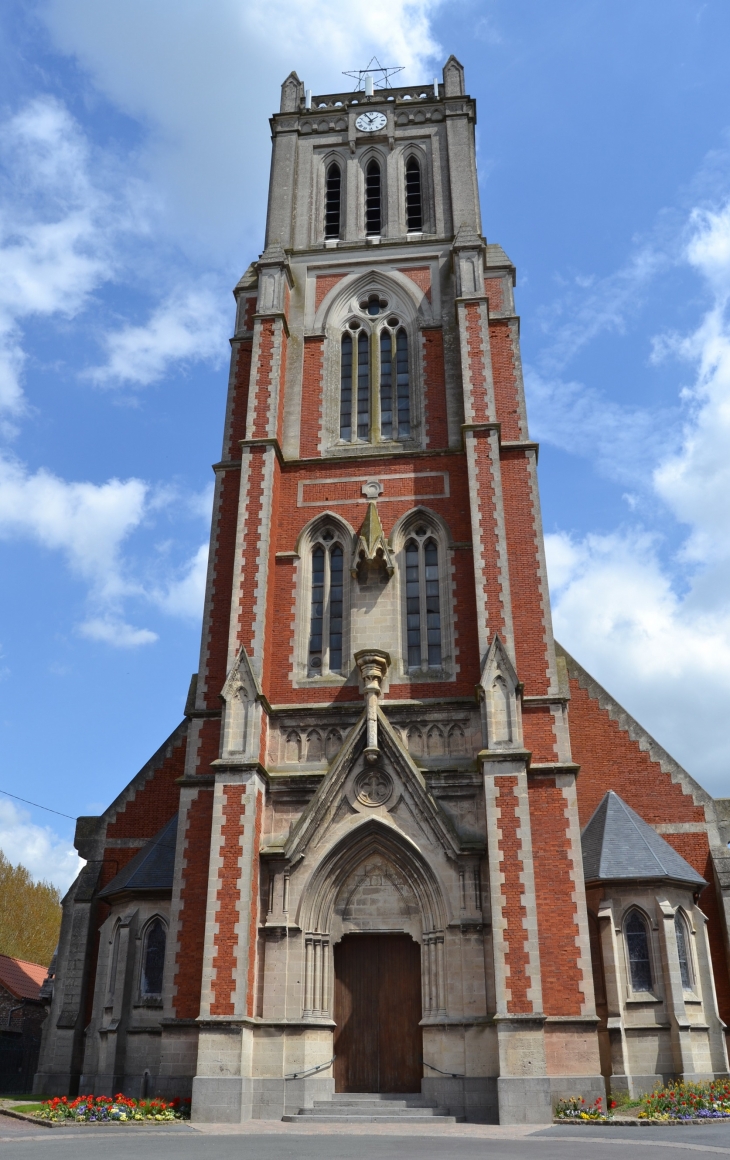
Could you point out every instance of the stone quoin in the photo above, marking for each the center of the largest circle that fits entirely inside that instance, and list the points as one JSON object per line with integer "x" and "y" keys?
{"x": 401, "y": 840}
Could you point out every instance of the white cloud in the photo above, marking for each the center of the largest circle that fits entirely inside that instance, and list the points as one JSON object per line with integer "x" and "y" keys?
{"x": 111, "y": 630}
{"x": 86, "y": 521}
{"x": 189, "y": 326}
{"x": 91, "y": 525}
{"x": 38, "y": 848}
{"x": 54, "y": 249}
{"x": 203, "y": 79}
{"x": 656, "y": 630}
{"x": 184, "y": 596}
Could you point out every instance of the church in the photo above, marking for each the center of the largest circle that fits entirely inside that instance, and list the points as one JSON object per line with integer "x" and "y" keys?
{"x": 401, "y": 842}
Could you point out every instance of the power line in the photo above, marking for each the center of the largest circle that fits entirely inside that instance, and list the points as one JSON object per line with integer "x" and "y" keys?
{"x": 37, "y": 805}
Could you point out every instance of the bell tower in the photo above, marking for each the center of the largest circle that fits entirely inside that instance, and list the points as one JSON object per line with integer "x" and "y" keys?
{"x": 377, "y": 496}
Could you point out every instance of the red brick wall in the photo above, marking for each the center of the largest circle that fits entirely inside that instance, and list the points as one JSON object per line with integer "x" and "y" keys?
{"x": 153, "y": 804}
{"x": 515, "y": 914}
{"x": 223, "y": 549}
{"x": 493, "y": 290}
{"x": 477, "y": 376}
{"x": 282, "y": 386}
{"x": 193, "y": 897}
{"x": 504, "y": 377}
{"x": 539, "y": 732}
{"x": 486, "y": 470}
{"x": 239, "y": 405}
{"x": 246, "y": 596}
{"x": 311, "y": 421}
{"x": 437, "y": 428}
{"x": 609, "y": 759}
{"x": 228, "y": 897}
{"x": 528, "y": 615}
{"x": 421, "y": 275}
{"x": 557, "y": 913}
{"x": 323, "y": 285}
{"x": 263, "y": 384}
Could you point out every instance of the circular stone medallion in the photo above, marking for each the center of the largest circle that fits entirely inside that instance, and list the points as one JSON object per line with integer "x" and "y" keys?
{"x": 373, "y": 787}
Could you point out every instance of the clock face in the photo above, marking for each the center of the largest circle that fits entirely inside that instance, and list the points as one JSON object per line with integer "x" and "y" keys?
{"x": 371, "y": 122}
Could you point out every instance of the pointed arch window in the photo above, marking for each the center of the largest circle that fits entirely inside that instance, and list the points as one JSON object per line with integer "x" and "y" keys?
{"x": 153, "y": 958}
{"x": 395, "y": 390}
{"x": 327, "y": 606}
{"x": 332, "y": 201}
{"x": 685, "y": 962}
{"x": 116, "y": 937}
{"x": 414, "y": 202}
{"x": 423, "y": 603}
{"x": 373, "y": 200}
{"x": 637, "y": 945}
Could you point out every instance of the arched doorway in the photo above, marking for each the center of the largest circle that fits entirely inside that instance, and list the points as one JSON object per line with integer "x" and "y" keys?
{"x": 378, "y": 1040}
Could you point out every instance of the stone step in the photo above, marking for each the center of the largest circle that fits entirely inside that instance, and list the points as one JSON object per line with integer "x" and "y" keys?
{"x": 385, "y": 1105}
{"x": 351, "y": 1097}
{"x": 369, "y": 1110}
{"x": 404, "y": 1117}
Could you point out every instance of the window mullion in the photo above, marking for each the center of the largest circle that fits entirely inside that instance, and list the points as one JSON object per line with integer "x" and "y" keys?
{"x": 423, "y": 605}
{"x": 326, "y": 614}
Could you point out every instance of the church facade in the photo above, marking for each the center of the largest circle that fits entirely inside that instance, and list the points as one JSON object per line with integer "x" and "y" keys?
{"x": 401, "y": 840}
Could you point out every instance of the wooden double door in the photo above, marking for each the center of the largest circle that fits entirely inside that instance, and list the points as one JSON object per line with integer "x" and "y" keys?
{"x": 378, "y": 1040}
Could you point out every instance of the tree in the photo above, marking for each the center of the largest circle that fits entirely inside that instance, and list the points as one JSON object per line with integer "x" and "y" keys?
{"x": 30, "y": 915}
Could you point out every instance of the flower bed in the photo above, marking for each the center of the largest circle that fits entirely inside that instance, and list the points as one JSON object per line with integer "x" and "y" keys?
{"x": 105, "y": 1110}
{"x": 688, "y": 1101}
{"x": 577, "y": 1109}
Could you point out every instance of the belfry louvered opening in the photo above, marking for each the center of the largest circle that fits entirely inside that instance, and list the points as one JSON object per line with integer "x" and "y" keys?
{"x": 333, "y": 201}
{"x": 373, "y": 200}
{"x": 414, "y": 199}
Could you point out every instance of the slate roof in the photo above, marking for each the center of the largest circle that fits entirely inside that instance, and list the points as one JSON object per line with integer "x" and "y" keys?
{"x": 21, "y": 978}
{"x": 617, "y": 843}
{"x": 151, "y": 869}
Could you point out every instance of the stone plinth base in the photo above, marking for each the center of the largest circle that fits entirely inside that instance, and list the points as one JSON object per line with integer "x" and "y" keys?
{"x": 236, "y": 1099}
{"x": 530, "y": 1099}
{"x": 473, "y": 1099}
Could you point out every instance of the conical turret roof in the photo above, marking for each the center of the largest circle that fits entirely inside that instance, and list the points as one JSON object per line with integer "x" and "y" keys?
{"x": 617, "y": 843}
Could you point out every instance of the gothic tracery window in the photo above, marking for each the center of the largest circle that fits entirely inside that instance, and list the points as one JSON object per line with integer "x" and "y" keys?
{"x": 332, "y": 201}
{"x": 423, "y": 601}
{"x": 414, "y": 203}
{"x": 327, "y": 606}
{"x": 637, "y": 945}
{"x": 153, "y": 958}
{"x": 375, "y": 386}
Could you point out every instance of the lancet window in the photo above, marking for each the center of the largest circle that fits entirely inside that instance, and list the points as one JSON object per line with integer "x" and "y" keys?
{"x": 326, "y": 605}
{"x": 685, "y": 962}
{"x": 423, "y": 602}
{"x": 332, "y": 201}
{"x": 375, "y": 386}
{"x": 637, "y": 946}
{"x": 414, "y": 202}
{"x": 153, "y": 958}
{"x": 373, "y": 200}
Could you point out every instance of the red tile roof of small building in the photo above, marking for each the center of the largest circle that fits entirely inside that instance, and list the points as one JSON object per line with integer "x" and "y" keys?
{"x": 21, "y": 978}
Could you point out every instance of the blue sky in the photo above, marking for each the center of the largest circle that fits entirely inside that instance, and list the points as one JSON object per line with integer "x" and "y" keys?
{"x": 134, "y": 159}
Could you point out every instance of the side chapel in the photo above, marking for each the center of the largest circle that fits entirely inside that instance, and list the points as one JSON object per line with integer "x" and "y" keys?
{"x": 401, "y": 841}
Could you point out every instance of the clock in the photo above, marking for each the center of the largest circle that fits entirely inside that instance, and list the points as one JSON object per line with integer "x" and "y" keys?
{"x": 371, "y": 122}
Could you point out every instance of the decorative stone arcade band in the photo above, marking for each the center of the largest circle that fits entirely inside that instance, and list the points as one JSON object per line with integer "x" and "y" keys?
{"x": 374, "y": 202}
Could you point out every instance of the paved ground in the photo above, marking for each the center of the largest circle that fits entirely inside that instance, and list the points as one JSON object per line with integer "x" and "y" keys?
{"x": 267, "y": 1140}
